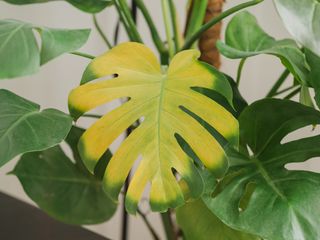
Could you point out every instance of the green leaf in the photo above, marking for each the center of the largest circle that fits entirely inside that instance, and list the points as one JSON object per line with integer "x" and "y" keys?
{"x": 198, "y": 223}
{"x": 165, "y": 99}
{"x": 90, "y": 6}
{"x": 23, "y": 128}
{"x": 19, "y": 53}
{"x": 62, "y": 190}
{"x": 259, "y": 195}
{"x": 245, "y": 38}
{"x": 302, "y": 19}
{"x": 314, "y": 74}
{"x": 59, "y": 41}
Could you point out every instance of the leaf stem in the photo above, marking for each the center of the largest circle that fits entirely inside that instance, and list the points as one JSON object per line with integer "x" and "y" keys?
{"x": 168, "y": 225}
{"x": 92, "y": 116}
{"x": 168, "y": 26}
{"x": 127, "y": 20}
{"x": 284, "y": 90}
{"x": 278, "y": 83}
{"x": 103, "y": 36}
{"x": 148, "y": 224}
{"x": 240, "y": 68}
{"x": 293, "y": 93}
{"x": 152, "y": 27}
{"x": 174, "y": 23}
{"x": 85, "y": 55}
{"x": 196, "y": 16}
{"x": 189, "y": 42}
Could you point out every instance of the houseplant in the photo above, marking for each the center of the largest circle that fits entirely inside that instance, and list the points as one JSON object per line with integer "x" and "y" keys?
{"x": 208, "y": 156}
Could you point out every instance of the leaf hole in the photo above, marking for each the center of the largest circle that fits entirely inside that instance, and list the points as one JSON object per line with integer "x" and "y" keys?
{"x": 221, "y": 140}
{"x": 245, "y": 199}
{"x": 217, "y": 97}
{"x": 222, "y": 184}
{"x": 311, "y": 165}
{"x": 188, "y": 150}
{"x": 301, "y": 133}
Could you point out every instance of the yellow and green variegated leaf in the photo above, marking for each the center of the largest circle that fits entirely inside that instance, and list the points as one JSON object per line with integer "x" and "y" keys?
{"x": 164, "y": 99}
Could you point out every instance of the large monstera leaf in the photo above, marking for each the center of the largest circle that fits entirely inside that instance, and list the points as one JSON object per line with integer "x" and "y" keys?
{"x": 302, "y": 19}
{"x": 19, "y": 52}
{"x": 163, "y": 98}
{"x": 90, "y": 6}
{"x": 245, "y": 38}
{"x": 259, "y": 195}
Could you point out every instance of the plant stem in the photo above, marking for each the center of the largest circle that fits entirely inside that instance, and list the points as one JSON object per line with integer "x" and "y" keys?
{"x": 148, "y": 224}
{"x": 168, "y": 225}
{"x": 293, "y": 93}
{"x": 196, "y": 16}
{"x": 92, "y": 116}
{"x": 174, "y": 23}
{"x": 240, "y": 68}
{"x": 189, "y": 42}
{"x": 127, "y": 20}
{"x": 168, "y": 26}
{"x": 278, "y": 83}
{"x": 85, "y": 55}
{"x": 284, "y": 90}
{"x": 103, "y": 36}
{"x": 152, "y": 27}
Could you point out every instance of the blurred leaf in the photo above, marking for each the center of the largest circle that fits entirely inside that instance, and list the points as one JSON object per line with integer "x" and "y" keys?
{"x": 90, "y": 6}
{"x": 62, "y": 190}
{"x": 199, "y": 223}
{"x": 23, "y": 128}
{"x": 305, "y": 97}
{"x": 302, "y": 19}
{"x": 245, "y": 38}
{"x": 19, "y": 53}
{"x": 314, "y": 74}
{"x": 259, "y": 195}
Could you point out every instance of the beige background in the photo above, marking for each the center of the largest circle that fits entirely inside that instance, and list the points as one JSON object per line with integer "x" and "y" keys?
{"x": 50, "y": 87}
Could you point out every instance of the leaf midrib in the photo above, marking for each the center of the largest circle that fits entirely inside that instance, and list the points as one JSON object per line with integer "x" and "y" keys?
{"x": 12, "y": 33}
{"x": 59, "y": 179}
{"x": 267, "y": 178}
{"x": 161, "y": 99}
{"x": 17, "y": 122}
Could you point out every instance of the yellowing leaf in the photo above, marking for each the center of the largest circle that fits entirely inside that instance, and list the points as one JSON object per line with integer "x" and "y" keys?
{"x": 163, "y": 99}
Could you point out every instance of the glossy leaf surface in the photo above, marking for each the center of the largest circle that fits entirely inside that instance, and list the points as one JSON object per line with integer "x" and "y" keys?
{"x": 163, "y": 99}
{"x": 62, "y": 189}
{"x": 302, "y": 19}
{"x": 245, "y": 38}
{"x": 199, "y": 223}
{"x": 24, "y": 128}
{"x": 19, "y": 53}
{"x": 90, "y": 6}
{"x": 259, "y": 195}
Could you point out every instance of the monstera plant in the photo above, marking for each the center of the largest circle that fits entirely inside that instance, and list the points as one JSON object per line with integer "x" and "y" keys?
{"x": 212, "y": 165}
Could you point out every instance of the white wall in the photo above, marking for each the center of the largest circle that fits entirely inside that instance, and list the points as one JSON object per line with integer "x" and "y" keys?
{"x": 50, "y": 87}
